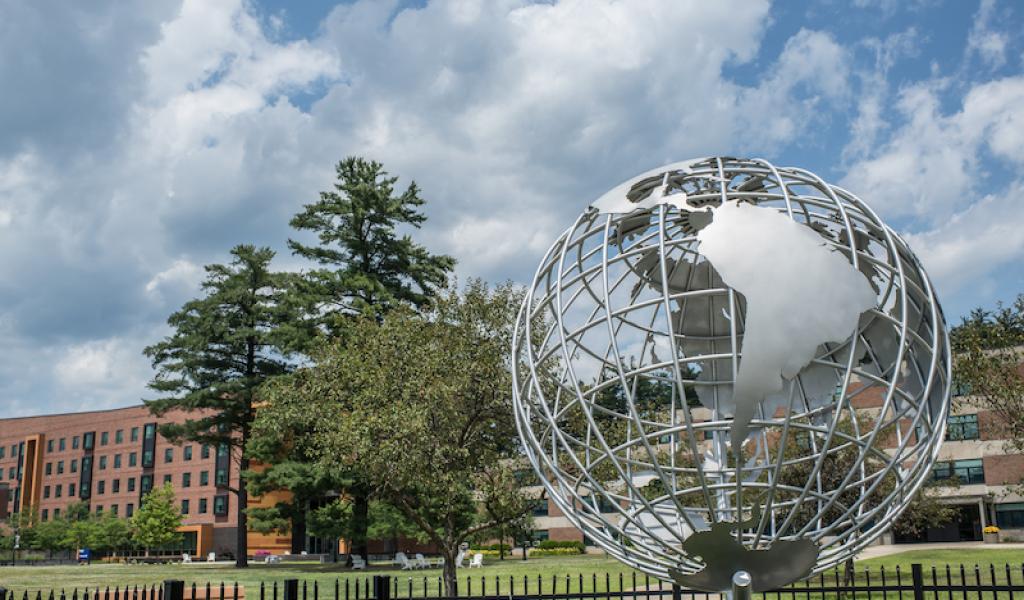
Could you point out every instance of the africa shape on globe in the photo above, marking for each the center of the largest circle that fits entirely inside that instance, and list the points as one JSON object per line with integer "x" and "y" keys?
{"x": 724, "y": 365}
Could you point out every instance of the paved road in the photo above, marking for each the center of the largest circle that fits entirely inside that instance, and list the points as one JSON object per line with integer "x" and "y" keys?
{"x": 876, "y": 551}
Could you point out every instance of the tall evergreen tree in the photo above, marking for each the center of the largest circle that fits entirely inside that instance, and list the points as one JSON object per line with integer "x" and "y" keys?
{"x": 364, "y": 267}
{"x": 224, "y": 345}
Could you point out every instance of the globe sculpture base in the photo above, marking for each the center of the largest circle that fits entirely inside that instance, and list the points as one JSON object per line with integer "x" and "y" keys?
{"x": 725, "y": 557}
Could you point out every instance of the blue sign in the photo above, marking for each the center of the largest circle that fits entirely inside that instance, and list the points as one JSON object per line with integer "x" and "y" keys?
{"x": 84, "y": 554}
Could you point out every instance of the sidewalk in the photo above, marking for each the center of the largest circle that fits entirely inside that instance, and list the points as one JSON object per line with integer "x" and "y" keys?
{"x": 876, "y": 551}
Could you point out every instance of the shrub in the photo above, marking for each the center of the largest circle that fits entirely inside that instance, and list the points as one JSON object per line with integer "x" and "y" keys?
{"x": 494, "y": 547}
{"x": 554, "y": 544}
{"x": 554, "y": 552}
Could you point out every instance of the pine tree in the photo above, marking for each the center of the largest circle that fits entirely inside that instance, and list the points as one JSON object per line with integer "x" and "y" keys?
{"x": 364, "y": 267}
{"x": 224, "y": 345}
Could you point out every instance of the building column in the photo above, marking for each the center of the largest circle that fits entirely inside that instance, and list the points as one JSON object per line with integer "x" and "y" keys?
{"x": 984, "y": 513}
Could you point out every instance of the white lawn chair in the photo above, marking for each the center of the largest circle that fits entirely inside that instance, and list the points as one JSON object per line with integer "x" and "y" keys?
{"x": 211, "y": 557}
{"x": 358, "y": 563}
{"x": 440, "y": 563}
{"x": 404, "y": 561}
{"x": 421, "y": 562}
{"x": 478, "y": 561}
{"x": 459, "y": 559}
{"x": 186, "y": 558}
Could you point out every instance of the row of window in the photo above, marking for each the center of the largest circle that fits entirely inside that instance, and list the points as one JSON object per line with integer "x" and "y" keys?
{"x": 220, "y": 508}
{"x": 87, "y": 440}
{"x": 969, "y": 472}
{"x": 146, "y": 480}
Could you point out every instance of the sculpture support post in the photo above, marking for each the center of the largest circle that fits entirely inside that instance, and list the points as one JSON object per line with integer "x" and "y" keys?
{"x": 741, "y": 586}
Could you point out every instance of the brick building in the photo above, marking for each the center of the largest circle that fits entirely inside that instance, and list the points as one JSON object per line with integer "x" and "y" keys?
{"x": 974, "y": 452}
{"x": 110, "y": 459}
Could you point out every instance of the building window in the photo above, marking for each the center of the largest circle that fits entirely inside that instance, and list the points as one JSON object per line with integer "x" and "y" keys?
{"x": 186, "y": 480}
{"x": 969, "y": 472}
{"x": 540, "y": 509}
{"x": 49, "y": 468}
{"x": 204, "y": 478}
{"x": 220, "y": 505}
{"x": 167, "y": 478}
{"x": 56, "y": 513}
{"x": 146, "y": 483}
{"x": 101, "y": 488}
{"x": 3, "y": 451}
{"x": 74, "y": 443}
{"x": 187, "y": 453}
{"x": 150, "y": 432}
{"x": 202, "y": 506}
{"x": 115, "y": 486}
{"x": 184, "y": 507}
{"x": 135, "y": 434}
{"x": 46, "y": 491}
{"x": 204, "y": 452}
{"x": 119, "y": 436}
{"x": 46, "y": 514}
{"x": 168, "y": 455}
{"x": 103, "y": 463}
{"x": 129, "y": 510}
{"x": 113, "y": 510}
{"x": 62, "y": 445}
{"x": 49, "y": 446}
{"x": 89, "y": 440}
{"x": 117, "y": 461}
{"x": 60, "y": 467}
{"x": 58, "y": 490}
{"x": 540, "y": 535}
{"x": 99, "y": 509}
{"x": 71, "y": 490}
{"x": 962, "y": 427}
{"x": 74, "y": 465}
{"x": 104, "y": 438}
{"x": 133, "y": 459}
{"x": 131, "y": 484}
{"x": 10, "y": 473}
{"x": 147, "y": 459}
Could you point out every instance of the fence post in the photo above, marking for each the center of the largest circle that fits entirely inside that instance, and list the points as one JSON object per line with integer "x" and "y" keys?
{"x": 918, "y": 577}
{"x": 291, "y": 589}
{"x": 677, "y": 592}
{"x": 3, "y": 593}
{"x": 382, "y": 587}
{"x": 174, "y": 589}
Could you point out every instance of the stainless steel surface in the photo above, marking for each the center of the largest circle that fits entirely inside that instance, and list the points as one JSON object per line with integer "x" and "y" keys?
{"x": 626, "y": 327}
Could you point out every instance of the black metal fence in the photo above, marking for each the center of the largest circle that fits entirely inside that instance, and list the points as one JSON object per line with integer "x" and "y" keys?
{"x": 935, "y": 583}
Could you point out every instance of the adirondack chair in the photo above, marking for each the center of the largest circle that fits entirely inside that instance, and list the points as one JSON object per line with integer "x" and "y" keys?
{"x": 404, "y": 562}
{"x": 358, "y": 562}
{"x": 421, "y": 562}
{"x": 478, "y": 561}
{"x": 459, "y": 558}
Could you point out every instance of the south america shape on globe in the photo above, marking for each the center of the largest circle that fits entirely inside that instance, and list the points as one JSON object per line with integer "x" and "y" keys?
{"x": 799, "y": 293}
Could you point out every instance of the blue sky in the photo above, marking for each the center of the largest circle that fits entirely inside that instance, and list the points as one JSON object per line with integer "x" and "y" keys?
{"x": 141, "y": 141}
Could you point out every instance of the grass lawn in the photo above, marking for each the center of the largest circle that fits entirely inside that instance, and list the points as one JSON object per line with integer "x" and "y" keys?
{"x": 549, "y": 571}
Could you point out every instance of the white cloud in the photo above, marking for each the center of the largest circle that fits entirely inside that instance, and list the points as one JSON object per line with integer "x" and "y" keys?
{"x": 932, "y": 165}
{"x": 181, "y": 274}
{"x": 101, "y": 373}
{"x": 985, "y": 42}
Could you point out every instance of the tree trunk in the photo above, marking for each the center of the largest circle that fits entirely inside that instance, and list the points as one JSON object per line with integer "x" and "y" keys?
{"x": 450, "y": 583}
{"x": 242, "y": 543}
{"x": 299, "y": 528}
{"x": 360, "y": 524}
{"x": 501, "y": 544}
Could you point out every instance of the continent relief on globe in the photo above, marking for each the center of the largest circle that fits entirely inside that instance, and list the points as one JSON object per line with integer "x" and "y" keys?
{"x": 799, "y": 292}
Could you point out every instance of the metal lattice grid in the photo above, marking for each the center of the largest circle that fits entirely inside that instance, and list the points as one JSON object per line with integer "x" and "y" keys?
{"x": 620, "y": 378}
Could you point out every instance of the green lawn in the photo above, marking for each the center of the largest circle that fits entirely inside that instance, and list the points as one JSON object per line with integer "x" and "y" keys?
{"x": 549, "y": 571}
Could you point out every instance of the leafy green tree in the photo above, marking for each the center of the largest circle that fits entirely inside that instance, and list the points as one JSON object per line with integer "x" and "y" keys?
{"x": 363, "y": 267}
{"x": 987, "y": 367}
{"x": 224, "y": 345}
{"x": 156, "y": 522}
{"x": 421, "y": 405}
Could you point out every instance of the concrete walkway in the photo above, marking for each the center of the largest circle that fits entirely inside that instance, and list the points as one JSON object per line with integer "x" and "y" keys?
{"x": 886, "y": 550}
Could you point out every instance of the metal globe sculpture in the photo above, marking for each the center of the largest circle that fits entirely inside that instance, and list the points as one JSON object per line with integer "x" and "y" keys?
{"x": 727, "y": 366}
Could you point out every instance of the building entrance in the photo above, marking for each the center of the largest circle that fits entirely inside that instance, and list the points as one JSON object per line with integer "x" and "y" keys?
{"x": 965, "y": 527}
